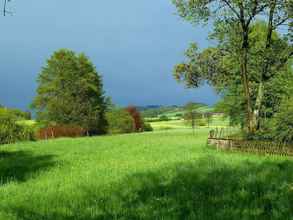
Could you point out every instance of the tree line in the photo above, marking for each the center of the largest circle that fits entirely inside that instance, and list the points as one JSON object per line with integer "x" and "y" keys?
{"x": 70, "y": 101}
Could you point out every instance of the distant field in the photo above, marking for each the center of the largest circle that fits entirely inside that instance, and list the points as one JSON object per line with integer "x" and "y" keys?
{"x": 217, "y": 121}
{"x": 158, "y": 175}
{"x": 174, "y": 113}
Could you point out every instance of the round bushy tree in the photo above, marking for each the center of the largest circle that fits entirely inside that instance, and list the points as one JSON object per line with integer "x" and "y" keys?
{"x": 120, "y": 121}
{"x": 70, "y": 92}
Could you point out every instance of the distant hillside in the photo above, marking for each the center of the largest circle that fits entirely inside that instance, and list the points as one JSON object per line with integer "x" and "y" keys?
{"x": 153, "y": 111}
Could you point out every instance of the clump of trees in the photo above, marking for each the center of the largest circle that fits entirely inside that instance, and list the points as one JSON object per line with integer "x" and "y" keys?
{"x": 70, "y": 92}
{"x": 70, "y": 102}
{"x": 250, "y": 58}
{"x": 126, "y": 120}
{"x": 120, "y": 121}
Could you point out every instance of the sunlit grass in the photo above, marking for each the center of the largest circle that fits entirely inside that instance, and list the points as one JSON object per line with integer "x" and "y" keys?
{"x": 160, "y": 175}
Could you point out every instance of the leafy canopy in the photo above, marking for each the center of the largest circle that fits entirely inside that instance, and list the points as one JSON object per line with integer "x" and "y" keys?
{"x": 70, "y": 91}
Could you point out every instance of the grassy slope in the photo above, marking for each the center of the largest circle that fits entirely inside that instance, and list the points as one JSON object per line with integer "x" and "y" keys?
{"x": 160, "y": 175}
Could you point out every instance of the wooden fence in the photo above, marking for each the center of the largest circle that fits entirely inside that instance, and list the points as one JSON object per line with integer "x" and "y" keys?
{"x": 217, "y": 139}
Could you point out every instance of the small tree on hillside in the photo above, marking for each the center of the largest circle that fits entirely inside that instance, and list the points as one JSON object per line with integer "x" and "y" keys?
{"x": 138, "y": 121}
{"x": 70, "y": 92}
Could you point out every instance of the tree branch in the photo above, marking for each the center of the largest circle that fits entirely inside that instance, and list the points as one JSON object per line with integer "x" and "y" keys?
{"x": 232, "y": 8}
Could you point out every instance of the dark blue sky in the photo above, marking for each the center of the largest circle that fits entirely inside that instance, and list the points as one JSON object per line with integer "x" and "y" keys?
{"x": 133, "y": 43}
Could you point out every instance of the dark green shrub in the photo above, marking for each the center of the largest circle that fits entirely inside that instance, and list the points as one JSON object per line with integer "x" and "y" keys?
{"x": 164, "y": 118}
{"x": 120, "y": 121}
{"x": 201, "y": 122}
{"x": 147, "y": 127}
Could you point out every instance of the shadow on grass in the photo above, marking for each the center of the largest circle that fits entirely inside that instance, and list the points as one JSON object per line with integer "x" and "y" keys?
{"x": 20, "y": 165}
{"x": 208, "y": 189}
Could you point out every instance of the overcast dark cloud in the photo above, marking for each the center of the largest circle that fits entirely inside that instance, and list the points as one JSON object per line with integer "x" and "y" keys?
{"x": 133, "y": 43}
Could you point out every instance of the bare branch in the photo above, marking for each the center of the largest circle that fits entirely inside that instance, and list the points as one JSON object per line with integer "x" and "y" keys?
{"x": 256, "y": 11}
{"x": 281, "y": 22}
{"x": 232, "y": 8}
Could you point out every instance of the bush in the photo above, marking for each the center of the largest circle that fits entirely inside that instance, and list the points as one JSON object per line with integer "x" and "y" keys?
{"x": 60, "y": 131}
{"x": 11, "y": 131}
{"x": 201, "y": 122}
{"x": 120, "y": 121}
{"x": 164, "y": 118}
{"x": 147, "y": 127}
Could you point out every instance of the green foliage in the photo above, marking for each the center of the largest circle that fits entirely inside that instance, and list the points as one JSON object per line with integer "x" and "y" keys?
{"x": 284, "y": 122}
{"x": 159, "y": 175}
{"x": 147, "y": 127}
{"x": 120, "y": 121}
{"x": 248, "y": 53}
{"x": 70, "y": 91}
{"x": 277, "y": 82}
{"x": 164, "y": 118}
{"x": 11, "y": 131}
{"x": 16, "y": 113}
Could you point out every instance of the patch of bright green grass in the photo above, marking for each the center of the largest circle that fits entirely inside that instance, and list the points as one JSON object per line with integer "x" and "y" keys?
{"x": 27, "y": 122}
{"x": 159, "y": 175}
{"x": 173, "y": 124}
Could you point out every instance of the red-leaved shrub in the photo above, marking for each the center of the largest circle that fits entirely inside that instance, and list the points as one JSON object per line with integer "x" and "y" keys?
{"x": 60, "y": 131}
{"x": 135, "y": 114}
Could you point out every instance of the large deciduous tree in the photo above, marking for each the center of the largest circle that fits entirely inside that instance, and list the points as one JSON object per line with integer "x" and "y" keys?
{"x": 237, "y": 16}
{"x": 70, "y": 92}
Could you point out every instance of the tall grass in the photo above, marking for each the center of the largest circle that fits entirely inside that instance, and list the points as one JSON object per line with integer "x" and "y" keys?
{"x": 160, "y": 175}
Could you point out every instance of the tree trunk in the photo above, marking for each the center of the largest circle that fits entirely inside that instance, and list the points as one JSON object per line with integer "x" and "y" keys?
{"x": 258, "y": 105}
{"x": 265, "y": 67}
{"x": 245, "y": 80}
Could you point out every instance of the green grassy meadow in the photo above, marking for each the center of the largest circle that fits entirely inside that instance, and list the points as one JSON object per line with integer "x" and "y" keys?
{"x": 158, "y": 175}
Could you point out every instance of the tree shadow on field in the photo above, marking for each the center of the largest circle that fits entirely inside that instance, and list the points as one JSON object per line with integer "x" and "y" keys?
{"x": 20, "y": 165}
{"x": 207, "y": 189}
